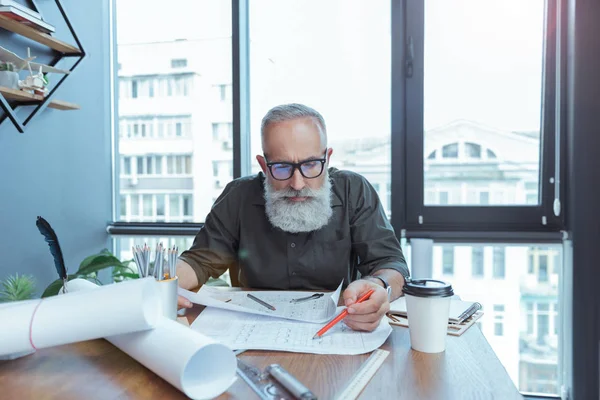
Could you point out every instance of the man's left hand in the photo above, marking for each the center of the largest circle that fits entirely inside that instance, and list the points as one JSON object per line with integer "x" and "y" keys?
{"x": 365, "y": 316}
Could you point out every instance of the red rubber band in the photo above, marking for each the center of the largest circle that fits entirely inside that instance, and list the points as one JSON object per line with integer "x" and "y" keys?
{"x": 31, "y": 325}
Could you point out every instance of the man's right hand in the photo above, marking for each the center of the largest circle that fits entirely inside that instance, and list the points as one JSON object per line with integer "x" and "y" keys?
{"x": 182, "y": 302}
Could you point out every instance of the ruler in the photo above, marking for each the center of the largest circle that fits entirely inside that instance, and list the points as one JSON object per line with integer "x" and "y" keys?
{"x": 361, "y": 378}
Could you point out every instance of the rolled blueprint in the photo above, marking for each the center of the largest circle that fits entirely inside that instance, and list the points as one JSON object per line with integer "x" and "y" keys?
{"x": 78, "y": 316}
{"x": 421, "y": 258}
{"x": 197, "y": 365}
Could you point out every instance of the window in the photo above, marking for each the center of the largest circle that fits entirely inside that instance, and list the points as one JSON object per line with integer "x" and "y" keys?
{"x": 448, "y": 260}
{"x": 529, "y": 327}
{"x": 484, "y": 198}
{"x": 450, "y": 151}
{"x": 521, "y": 339}
{"x": 464, "y": 132}
{"x": 477, "y": 262}
{"x": 224, "y": 92}
{"x": 498, "y": 319}
{"x": 530, "y": 263}
{"x": 178, "y": 63}
{"x": 443, "y": 197}
{"x": 279, "y": 74}
{"x": 463, "y": 154}
{"x": 134, "y": 89}
{"x": 543, "y": 268}
{"x": 472, "y": 150}
{"x": 499, "y": 271}
{"x": 126, "y": 165}
{"x": 156, "y": 82}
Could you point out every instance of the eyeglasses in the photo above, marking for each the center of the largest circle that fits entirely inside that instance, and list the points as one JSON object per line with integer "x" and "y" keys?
{"x": 309, "y": 169}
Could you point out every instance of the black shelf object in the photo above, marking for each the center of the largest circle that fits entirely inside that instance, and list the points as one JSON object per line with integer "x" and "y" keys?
{"x": 61, "y": 51}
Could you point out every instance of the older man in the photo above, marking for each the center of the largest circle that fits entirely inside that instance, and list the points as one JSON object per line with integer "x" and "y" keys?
{"x": 300, "y": 225}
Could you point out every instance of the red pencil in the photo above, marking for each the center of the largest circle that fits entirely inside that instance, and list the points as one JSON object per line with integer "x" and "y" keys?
{"x": 342, "y": 315}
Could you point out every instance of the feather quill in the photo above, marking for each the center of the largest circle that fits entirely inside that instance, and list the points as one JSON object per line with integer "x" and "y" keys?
{"x": 52, "y": 240}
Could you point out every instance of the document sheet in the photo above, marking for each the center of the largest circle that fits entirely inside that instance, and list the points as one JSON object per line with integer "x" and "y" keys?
{"x": 251, "y": 331}
{"x": 314, "y": 310}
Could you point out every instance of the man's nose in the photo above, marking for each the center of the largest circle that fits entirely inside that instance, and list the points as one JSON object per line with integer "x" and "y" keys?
{"x": 297, "y": 181}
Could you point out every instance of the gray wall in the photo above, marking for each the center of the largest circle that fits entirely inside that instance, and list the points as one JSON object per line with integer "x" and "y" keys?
{"x": 60, "y": 168}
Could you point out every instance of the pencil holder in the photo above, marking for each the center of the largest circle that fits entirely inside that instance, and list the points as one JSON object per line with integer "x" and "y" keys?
{"x": 168, "y": 295}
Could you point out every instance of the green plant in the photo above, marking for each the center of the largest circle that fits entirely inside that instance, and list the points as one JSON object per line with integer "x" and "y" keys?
{"x": 90, "y": 266}
{"x": 6, "y": 66}
{"x": 16, "y": 288}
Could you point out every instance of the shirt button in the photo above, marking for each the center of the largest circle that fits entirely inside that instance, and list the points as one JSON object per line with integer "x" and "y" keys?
{"x": 293, "y": 245}
{"x": 294, "y": 273}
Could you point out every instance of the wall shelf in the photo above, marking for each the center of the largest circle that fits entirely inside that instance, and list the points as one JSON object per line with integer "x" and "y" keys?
{"x": 24, "y": 97}
{"x": 37, "y": 36}
{"x": 10, "y": 99}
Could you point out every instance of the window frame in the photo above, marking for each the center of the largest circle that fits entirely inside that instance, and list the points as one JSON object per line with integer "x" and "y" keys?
{"x": 455, "y": 224}
{"x": 410, "y": 213}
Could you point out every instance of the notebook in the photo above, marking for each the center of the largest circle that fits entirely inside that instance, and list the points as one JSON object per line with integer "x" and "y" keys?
{"x": 453, "y": 329}
{"x": 459, "y": 310}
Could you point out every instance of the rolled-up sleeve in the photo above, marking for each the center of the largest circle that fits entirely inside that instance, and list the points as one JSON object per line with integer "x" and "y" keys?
{"x": 373, "y": 238}
{"x": 215, "y": 245}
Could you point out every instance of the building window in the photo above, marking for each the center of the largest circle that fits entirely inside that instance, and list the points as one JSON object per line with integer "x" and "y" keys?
{"x": 134, "y": 89}
{"x": 477, "y": 262}
{"x": 543, "y": 322}
{"x": 160, "y": 207}
{"x": 490, "y": 154}
{"x": 498, "y": 319}
{"x": 444, "y": 197}
{"x": 484, "y": 198}
{"x": 450, "y": 151}
{"x": 531, "y": 260}
{"x": 543, "y": 268}
{"x": 499, "y": 270}
{"x": 123, "y": 206}
{"x": 529, "y": 313}
{"x": 224, "y": 93}
{"x": 127, "y": 165}
{"x": 432, "y": 155}
{"x": 448, "y": 260}
{"x": 187, "y": 205}
{"x": 178, "y": 63}
{"x": 473, "y": 150}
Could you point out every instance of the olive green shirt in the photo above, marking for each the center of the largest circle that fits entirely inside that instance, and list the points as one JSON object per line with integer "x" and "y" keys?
{"x": 238, "y": 235}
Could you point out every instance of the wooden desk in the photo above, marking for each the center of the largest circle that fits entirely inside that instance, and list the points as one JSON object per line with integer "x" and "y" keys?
{"x": 95, "y": 369}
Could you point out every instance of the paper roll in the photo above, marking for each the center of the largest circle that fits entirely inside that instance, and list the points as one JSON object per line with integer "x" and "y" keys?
{"x": 78, "y": 316}
{"x": 421, "y": 255}
{"x": 198, "y": 366}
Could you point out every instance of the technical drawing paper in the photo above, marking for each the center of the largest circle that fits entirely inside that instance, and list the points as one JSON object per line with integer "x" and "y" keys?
{"x": 317, "y": 310}
{"x": 240, "y": 330}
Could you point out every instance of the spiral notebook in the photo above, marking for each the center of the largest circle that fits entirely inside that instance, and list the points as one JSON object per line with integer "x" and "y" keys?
{"x": 459, "y": 310}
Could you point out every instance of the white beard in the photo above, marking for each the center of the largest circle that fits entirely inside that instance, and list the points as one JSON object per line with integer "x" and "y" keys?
{"x": 303, "y": 216}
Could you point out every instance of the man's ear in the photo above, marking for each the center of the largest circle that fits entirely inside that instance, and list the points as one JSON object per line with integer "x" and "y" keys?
{"x": 329, "y": 153}
{"x": 263, "y": 163}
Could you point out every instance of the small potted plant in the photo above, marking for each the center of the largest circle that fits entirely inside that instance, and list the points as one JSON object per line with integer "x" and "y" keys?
{"x": 9, "y": 78}
{"x": 17, "y": 288}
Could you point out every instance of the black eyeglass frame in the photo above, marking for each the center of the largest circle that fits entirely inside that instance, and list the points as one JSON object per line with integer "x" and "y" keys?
{"x": 297, "y": 166}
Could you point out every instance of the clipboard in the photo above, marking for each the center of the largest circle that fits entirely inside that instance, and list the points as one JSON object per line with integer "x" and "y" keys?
{"x": 453, "y": 329}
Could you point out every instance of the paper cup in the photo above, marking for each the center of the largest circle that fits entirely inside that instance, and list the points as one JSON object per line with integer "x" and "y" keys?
{"x": 168, "y": 297}
{"x": 428, "y": 310}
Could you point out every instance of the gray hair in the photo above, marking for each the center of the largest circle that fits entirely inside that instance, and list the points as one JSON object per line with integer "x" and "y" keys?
{"x": 287, "y": 112}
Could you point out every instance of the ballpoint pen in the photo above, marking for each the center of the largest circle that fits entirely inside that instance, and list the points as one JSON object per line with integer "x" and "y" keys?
{"x": 341, "y": 315}
{"x": 259, "y": 301}
{"x": 312, "y": 297}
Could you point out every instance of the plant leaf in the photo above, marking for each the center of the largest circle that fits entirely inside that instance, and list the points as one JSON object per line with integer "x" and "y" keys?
{"x": 54, "y": 287}
{"x": 98, "y": 263}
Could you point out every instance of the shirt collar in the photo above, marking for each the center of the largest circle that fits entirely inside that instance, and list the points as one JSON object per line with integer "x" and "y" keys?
{"x": 258, "y": 198}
